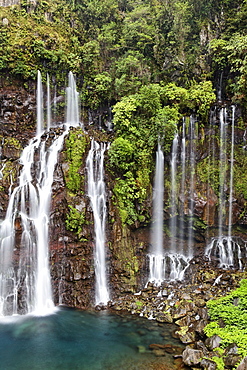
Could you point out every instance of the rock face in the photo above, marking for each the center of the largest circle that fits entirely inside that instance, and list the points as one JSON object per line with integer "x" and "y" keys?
{"x": 71, "y": 222}
{"x": 72, "y": 237}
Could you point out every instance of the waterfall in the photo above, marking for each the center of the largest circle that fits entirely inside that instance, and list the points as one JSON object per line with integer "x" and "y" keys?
{"x": 182, "y": 188}
{"x": 29, "y": 206}
{"x": 97, "y": 195}
{"x": 226, "y": 251}
{"x": 156, "y": 267}
{"x": 25, "y": 284}
{"x": 72, "y": 102}
{"x": 219, "y": 89}
{"x": 222, "y": 168}
{"x": 40, "y": 108}
{"x": 173, "y": 222}
{"x": 169, "y": 265}
{"x": 192, "y": 183}
{"x": 158, "y": 202}
{"x": 48, "y": 104}
{"x": 231, "y": 175}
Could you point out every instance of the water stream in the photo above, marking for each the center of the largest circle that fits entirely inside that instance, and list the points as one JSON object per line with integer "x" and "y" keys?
{"x": 225, "y": 250}
{"x": 97, "y": 195}
{"x": 167, "y": 264}
{"x": 25, "y": 284}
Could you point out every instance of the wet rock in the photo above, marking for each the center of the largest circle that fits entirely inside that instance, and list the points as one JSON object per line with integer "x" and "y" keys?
{"x": 191, "y": 356}
{"x": 141, "y": 349}
{"x": 232, "y": 360}
{"x": 231, "y": 356}
{"x": 208, "y": 364}
{"x": 185, "y": 321}
{"x": 203, "y": 313}
{"x": 242, "y": 365}
{"x": 199, "y": 327}
{"x": 164, "y": 317}
{"x": 199, "y": 302}
{"x": 185, "y": 335}
{"x": 213, "y": 342}
{"x": 201, "y": 346}
{"x": 183, "y": 309}
{"x": 159, "y": 352}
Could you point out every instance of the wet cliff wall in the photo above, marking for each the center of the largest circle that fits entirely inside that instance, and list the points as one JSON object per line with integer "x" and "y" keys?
{"x": 71, "y": 221}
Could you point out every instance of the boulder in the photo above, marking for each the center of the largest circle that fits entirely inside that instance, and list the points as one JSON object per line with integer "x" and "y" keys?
{"x": 208, "y": 364}
{"x": 213, "y": 342}
{"x": 243, "y": 364}
{"x": 192, "y": 357}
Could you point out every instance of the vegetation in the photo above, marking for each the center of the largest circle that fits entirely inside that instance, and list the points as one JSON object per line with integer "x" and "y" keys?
{"x": 142, "y": 120}
{"x": 115, "y": 47}
{"x": 75, "y": 145}
{"x": 228, "y": 319}
{"x": 75, "y": 221}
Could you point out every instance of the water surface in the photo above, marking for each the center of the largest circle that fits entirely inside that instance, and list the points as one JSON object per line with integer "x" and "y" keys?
{"x": 75, "y": 340}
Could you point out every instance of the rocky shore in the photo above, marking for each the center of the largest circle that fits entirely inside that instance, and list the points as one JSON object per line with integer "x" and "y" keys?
{"x": 184, "y": 303}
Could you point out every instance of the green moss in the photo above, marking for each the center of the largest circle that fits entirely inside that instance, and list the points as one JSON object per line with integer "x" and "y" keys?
{"x": 75, "y": 149}
{"x": 75, "y": 221}
{"x": 139, "y": 304}
{"x": 239, "y": 174}
{"x": 208, "y": 171}
{"x": 125, "y": 254}
{"x": 12, "y": 142}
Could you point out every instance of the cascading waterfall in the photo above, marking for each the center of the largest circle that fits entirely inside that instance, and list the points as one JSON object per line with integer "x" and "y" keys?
{"x": 72, "y": 102}
{"x": 169, "y": 265}
{"x": 222, "y": 168}
{"x": 192, "y": 183}
{"x": 156, "y": 259}
{"x": 40, "y": 107}
{"x": 48, "y": 104}
{"x": 173, "y": 221}
{"x": 182, "y": 188}
{"x": 231, "y": 175}
{"x": 226, "y": 250}
{"x": 97, "y": 195}
{"x": 24, "y": 231}
{"x": 176, "y": 262}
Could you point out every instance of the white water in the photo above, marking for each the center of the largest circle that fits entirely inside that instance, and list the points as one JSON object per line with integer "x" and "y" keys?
{"x": 226, "y": 252}
{"x": 156, "y": 256}
{"x": 222, "y": 169}
{"x": 40, "y": 107}
{"x": 173, "y": 220}
{"x": 231, "y": 175}
{"x": 97, "y": 195}
{"x": 182, "y": 187}
{"x": 29, "y": 206}
{"x": 192, "y": 184}
{"x": 24, "y": 231}
{"x": 170, "y": 265}
{"x": 72, "y": 102}
{"x": 157, "y": 230}
{"x": 48, "y": 104}
{"x": 225, "y": 249}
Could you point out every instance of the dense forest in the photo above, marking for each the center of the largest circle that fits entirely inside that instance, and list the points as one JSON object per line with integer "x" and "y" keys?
{"x": 117, "y": 47}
